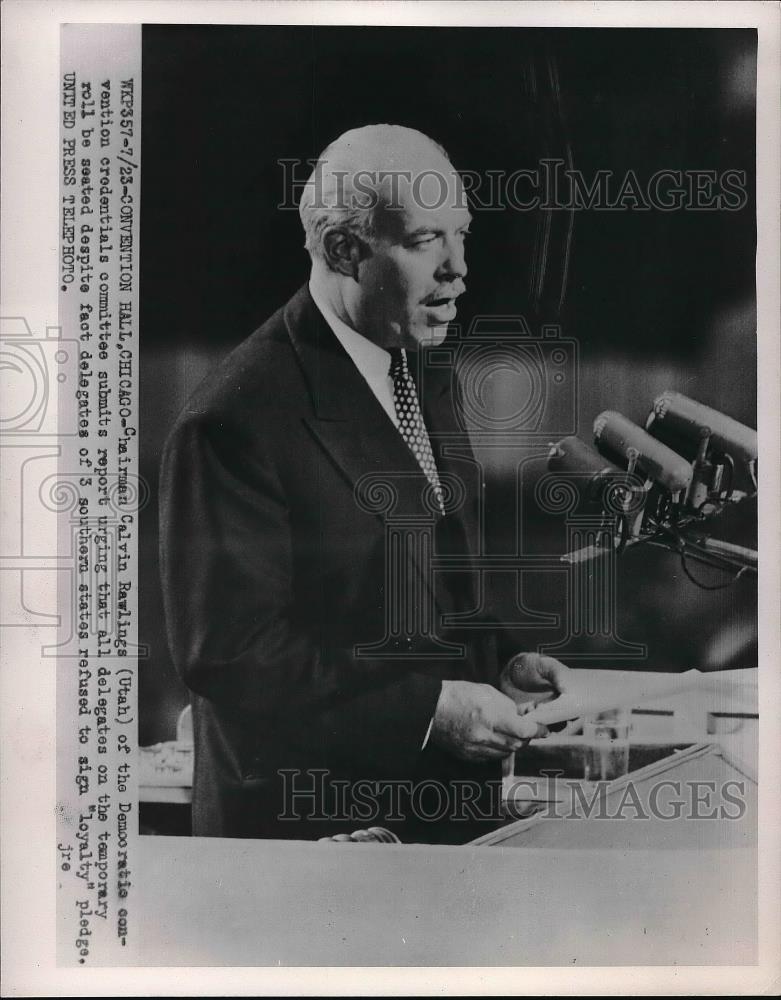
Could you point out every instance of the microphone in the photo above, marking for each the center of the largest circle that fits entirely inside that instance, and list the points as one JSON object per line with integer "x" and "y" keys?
{"x": 617, "y": 435}
{"x": 687, "y": 493}
{"x": 591, "y": 473}
{"x": 687, "y": 419}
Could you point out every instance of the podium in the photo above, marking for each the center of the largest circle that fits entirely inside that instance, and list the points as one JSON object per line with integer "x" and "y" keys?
{"x": 702, "y": 797}
{"x": 589, "y": 890}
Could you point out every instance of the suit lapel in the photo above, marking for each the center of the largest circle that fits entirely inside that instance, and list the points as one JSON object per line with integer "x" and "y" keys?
{"x": 354, "y": 429}
{"x": 452, "y": 448}
{"x": 349, "y": 421}
{"x": 458, "y": 534}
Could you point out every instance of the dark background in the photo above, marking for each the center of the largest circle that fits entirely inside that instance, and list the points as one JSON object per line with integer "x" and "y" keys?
{"x": 655, "y": 300}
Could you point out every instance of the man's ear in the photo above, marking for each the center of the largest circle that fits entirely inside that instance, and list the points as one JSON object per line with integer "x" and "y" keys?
{"x": 342, "y": 251}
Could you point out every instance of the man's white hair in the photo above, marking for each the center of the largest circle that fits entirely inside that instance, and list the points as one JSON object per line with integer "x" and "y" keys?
{"x": 351, "y": 179}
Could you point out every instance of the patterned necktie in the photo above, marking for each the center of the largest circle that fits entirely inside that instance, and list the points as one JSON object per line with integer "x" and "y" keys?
{"x": 411, "y": 426}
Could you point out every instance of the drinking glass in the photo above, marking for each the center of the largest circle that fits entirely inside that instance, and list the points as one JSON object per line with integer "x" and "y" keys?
{"x": 606, "y": 745}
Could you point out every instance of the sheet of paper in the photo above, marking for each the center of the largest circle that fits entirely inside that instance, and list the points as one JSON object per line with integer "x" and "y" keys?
{"x": 598, "y": 691}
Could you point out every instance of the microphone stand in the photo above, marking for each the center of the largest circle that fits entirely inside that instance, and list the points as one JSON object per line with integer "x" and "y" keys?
{"x": 738, "y": 555}
{"x": 707, "y": 551}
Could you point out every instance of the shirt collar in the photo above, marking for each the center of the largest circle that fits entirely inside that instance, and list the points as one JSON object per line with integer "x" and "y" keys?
{"x": 371, "y": 360}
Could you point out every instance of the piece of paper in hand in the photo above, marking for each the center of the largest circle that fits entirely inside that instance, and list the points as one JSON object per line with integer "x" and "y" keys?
{"x": 600, "y": 694}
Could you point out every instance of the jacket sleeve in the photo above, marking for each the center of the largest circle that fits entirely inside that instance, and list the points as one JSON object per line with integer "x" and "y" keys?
{"x": 235, "y": 631}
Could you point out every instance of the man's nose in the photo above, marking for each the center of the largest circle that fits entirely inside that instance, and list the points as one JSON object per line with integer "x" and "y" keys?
{"x": 453, "y": 263}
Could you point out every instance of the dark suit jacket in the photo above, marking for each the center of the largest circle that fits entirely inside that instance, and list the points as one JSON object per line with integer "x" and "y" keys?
{"x": 273, "y": 572}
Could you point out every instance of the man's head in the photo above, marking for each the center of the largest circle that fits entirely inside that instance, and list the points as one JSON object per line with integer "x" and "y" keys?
{"x": 385, "y": 218}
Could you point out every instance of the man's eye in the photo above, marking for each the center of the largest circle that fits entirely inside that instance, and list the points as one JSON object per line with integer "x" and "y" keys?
{"x": 424, "y": 241}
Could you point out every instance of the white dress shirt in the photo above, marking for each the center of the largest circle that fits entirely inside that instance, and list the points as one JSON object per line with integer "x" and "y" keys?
{"x": 373, "y": 362}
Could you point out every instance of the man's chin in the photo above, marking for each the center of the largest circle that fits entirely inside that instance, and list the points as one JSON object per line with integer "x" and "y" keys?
{"x": 428, "y": 336}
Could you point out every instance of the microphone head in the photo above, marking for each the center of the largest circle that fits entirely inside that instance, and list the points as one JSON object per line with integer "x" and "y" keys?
{"x": 573, "y": 455}
{"x": 675, "y": 417}
{"x": 592, "y": 475}
{"x": 617, "y": 436}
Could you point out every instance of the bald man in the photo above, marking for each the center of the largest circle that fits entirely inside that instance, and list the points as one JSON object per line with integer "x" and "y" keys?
{"x": 275, "y": 571}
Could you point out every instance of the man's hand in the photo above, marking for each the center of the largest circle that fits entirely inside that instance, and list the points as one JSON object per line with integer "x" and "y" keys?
{"x": 530, "y": 678}
{"x": 476, "y": 722}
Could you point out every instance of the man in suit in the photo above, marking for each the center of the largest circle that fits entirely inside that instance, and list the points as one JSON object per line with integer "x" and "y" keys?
{"x": 315, "y": 650}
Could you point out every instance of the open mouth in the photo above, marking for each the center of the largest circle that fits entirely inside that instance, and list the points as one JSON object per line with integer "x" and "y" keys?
{"x": 441, "y": 310}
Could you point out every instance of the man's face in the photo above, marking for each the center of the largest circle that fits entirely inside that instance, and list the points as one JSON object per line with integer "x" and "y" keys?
{"x": 409, "y": 283}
